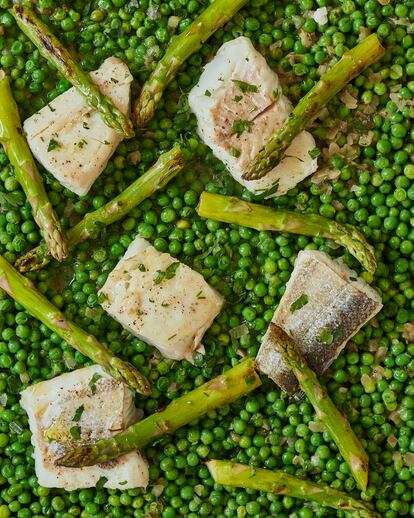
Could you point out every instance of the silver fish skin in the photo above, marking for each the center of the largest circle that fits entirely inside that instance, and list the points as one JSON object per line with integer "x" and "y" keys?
{"x": 324, "y": 305}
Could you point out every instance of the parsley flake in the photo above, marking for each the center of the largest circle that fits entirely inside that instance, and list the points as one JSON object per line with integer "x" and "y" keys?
{"x": 314, "y": 153}
{"x": 207, "y": 93}
{"x": 245, "y": 87}
{"x": 240, "y": 126}
{"x": 53, "y": 144}
{"x": 78, "y": 414}
{"x": 101, "y": 483}
{"x": 75, "y": 432}
{"x": 299, "y": 303}
{"x": 92, "y": 383}
{"x": 169, "y": 273}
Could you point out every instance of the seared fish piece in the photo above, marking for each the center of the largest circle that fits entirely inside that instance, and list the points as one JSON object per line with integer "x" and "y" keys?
{"x": 324, "y": 305}
{"x": 81, "y": 406}
{"x": 70, "y": 139}
{"x": 160, "y": 300}
{"x": 239, "y": 104}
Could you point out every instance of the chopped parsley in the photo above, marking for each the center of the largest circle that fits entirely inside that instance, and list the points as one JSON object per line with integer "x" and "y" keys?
{"x": 276, "y": 94}
{"x": 245, "y": 87}
{"x": 139, "y": 312}
{"x": 53, "y": 144}
{"x": 141, "y": 267}
{"x": 240, "y": 126}
{"x": 101, "y": 482}
{"x": 92, "y": 383}
{"x": 78, "y": 414}
{"x": 82, "y": 143}
{"x": 299, "y": 303}
{"x": 235, "y": 152}
{"x": 85, "y": 125}
{"x": 115, "y": 81}
{"x": 169, "y": 273}
{"x": 238, "y": 98}
{"x": 314, "y": 153}
{"x": 207, "y": 93}
{"x": 75, "y": 432}
{"x": 326, "y": 337}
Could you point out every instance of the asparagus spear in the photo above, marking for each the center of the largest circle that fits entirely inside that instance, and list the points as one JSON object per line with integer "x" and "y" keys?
{"x": 220, "y": 391}
{"x": 207, "y": 23}
{"x": 167, "y": 167}
{"x": 53, "y": 50}
{"x": 232, "y": 210}
{"x": 27, "y": 174}
{"x": 336, "y": 424}
{"x": 348, "y": 67}
{"x": 23, "y": 291}
{"x": 280, "y": 483}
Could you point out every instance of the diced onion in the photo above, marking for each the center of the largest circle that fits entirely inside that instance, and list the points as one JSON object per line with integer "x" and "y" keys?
{"x": 321, "y": 16}
{"x": 239, "y": 331}
{"x": 392, "y": 441}
{"x": 157, "y": 490}
{"x": 409, "y": 459}
{"x": 316, "y": 426}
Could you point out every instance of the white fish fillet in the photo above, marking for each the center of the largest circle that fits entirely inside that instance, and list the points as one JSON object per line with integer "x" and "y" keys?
{"x": 52, "y": 406}
{"x": 170, "y": 313}
{"x": 218, "y": 100}
{"x": 70, "y": 139}
{"x": 324, "y": 305}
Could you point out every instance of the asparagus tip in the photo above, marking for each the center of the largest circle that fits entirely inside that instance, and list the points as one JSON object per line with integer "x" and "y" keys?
{"x": 144, "y": 109}
{"x": 76, "y": 458}
{"x": 130, "y": 376}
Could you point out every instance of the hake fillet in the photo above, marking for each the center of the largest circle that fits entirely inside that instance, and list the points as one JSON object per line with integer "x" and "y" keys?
{"x": 81, "y": 406}
{"x": 324, "y": 305}
{"x": 70, "y": 139}
{"x": 239, "y": 104}
{"x": 160, "y": 300}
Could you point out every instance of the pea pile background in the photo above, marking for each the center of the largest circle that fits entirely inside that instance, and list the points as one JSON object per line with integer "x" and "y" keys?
{"x": 371, "y": 381}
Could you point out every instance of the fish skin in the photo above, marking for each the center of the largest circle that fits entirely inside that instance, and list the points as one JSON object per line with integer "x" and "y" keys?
{"x": 168, "y": 315}
{"x": 84, "y": 142}
{"x": 335, "y": 303}
{"x": 266, "y": 109}
{"x": 52, "y": 404}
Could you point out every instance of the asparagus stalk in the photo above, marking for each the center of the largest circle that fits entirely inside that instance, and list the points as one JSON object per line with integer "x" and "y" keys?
{"x": 167, "y": 167}
{"x": 348, "y": 67}
{"x": 23, "y": 291}
{"x": 336, "y": 424}
{"x": 232, "y": 210}
{"x": 27, "y": 174}
{"x": 280, "y": 483}
{"x": 207, "y": 23}
{"x": 56, "y": 54}
{"x": 220, "y": 391}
